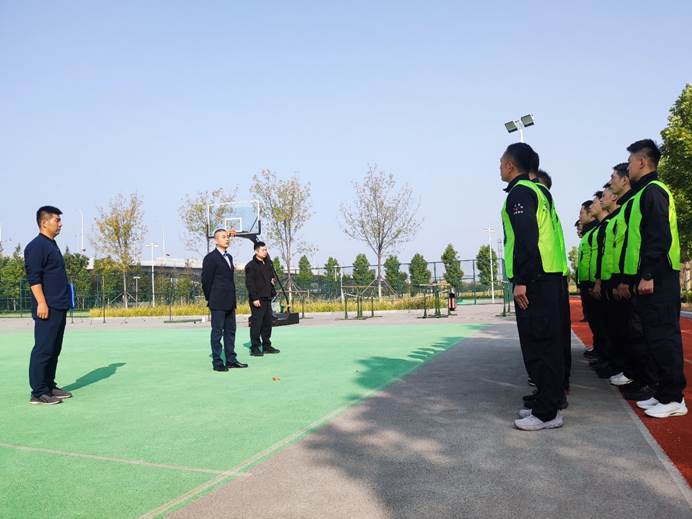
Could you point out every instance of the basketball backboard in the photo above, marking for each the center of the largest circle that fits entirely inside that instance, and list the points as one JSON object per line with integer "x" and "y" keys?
{"x": 242, "y": 217}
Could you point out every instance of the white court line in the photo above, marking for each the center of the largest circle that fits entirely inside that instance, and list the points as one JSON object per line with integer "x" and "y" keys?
{"x": 235, "y": 471}
{"x": 180, "y": 468}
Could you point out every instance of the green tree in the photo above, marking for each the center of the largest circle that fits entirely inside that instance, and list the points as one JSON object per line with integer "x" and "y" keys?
{"x": 331, "y": 269}
{"x": 418, "y": 269}
{"x": 12, "y": 279}
{"x": 305, "y": 275}
{"x": 106, "y": 278}
{"x": 676, "y": 164}
{"x": 278, "y": 268}
{"x": 362, "y": 275}
{"x": 453, "y": 272}
{"x": 483, "y": 265}
{"x": 393, "y": 274}
{"x": 573, "y": 256}
{"x": 76, "y": 268}
{"x": 195, "y": 214}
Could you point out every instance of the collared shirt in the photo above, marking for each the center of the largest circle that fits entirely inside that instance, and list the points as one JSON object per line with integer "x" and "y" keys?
{"x": 226, "y": 256}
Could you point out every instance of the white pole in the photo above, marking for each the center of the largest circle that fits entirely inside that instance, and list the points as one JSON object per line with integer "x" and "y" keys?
{"x": 81, "y": 215}
{"x": 153, "y": 293}
{"x": 490, "y": 259}
{"x": 521, "y": 130}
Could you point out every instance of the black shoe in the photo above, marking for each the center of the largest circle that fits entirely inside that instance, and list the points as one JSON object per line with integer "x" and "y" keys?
{"x": 531, "y": 382}
{"x": 597, "y": 362}
{"x": 256, "y": 353}
{"x": 236, "y": 364}
{"x": 643, "y": 393}
{"x": 60, "y": 393}
{"x": 220, "y": 368}
{"x": 606, "y": 372}
{"x": 269, "y": 349}
{"x": 590, "y": 354}
{"x": 45, "y": 400}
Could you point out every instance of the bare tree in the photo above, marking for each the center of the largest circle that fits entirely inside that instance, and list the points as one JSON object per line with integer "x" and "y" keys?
{"x": 286, "y": 204}
{"x": 193, "y": 213}
{"x": 120, "y": 230}
{"x": 381, "y": 215}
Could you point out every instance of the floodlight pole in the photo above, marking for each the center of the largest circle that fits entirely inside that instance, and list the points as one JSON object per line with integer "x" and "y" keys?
{"x": 136, "y": 278}
{"x": 81, "y": 215}
{"x": 153, "y": 293}
{"x": 490, "y": 259}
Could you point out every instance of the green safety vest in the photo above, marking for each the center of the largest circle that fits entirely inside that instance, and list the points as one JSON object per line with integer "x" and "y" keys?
{"x": 558, "y": 229}
{"x": 548, "y": 240}
{"x": 618, "y": 238}
{"x": 609, "y": 248}
{"x": 634, "y": 233}
{"x": 593, "y": 258}
{"x": 584, "y": 257}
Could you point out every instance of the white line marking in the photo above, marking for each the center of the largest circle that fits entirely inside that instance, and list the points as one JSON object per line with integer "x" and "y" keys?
{"x": 180, "y": 468}
{"x": 235, "y": 471}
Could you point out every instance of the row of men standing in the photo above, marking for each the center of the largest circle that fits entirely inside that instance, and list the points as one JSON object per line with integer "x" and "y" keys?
{"x": 218, "y": 285}
{"x": 629, "y": 279}
{"x": 637, "y": 332}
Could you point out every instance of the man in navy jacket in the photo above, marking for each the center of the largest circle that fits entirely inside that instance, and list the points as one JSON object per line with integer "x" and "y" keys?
{"x": 50, "y": 300}
{"x": 219, "y": 290}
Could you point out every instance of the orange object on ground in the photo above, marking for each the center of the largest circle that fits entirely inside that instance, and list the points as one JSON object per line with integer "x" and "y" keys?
{"x": 674, "y": 435}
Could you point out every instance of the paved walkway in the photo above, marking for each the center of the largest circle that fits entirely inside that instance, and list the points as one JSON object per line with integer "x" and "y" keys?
{"x": 440, "y": 443}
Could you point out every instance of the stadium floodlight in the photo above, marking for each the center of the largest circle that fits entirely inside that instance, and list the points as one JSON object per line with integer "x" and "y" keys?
{"x": 511, "y": 127}
{"x": 519, "y": 125}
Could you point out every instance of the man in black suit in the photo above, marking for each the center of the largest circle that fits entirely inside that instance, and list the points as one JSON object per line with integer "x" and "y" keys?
{"x": 259, "y": 280}
{"x": 219, "y": 290}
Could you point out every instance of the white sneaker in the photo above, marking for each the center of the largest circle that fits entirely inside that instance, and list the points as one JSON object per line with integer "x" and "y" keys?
{"x": 647, "y": 404}
{"x": 667, "y": 410}
{"x": 523, "y": 413}
{"x": 531, "y": 423}
{"x": 620, "y": 380}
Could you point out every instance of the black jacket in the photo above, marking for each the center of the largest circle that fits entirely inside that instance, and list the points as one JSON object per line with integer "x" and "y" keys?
{"x": 217, "y": 281}
{"x": 258, "y": 279}
{"x": 521, "y": 208}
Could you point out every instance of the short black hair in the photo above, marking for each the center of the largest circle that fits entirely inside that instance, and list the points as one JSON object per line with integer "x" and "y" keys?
{"x": 648, "y": 148}
{"x": 606, "y": 185}
{"x": 598, "y": 194}
{"x": 521, "y": 155}
{"x": 259, "y": 244}
{"x": 576, "y": 224}
{"x": 544, "y": 178}
{"x": 535, "y": 163}
{"x": 44, "y": 212}
{"x": 622, "y": 169}
{"x": 217, "y": 231}
{"x": 586, "y": 204}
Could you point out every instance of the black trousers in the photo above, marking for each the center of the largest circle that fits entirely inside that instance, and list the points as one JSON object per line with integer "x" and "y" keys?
{"x": 542, "y": 343}
{"x": 223, "y": 325}
{"x": 261, "y": 324}
{"x": 48, "y": 335}
{"x": 638, "y": 364}
{"x": 659, "y": 314}
{"x": 597, "y": 323}
{"x": 616, "y": 321}
{"x": 566, "y": 331}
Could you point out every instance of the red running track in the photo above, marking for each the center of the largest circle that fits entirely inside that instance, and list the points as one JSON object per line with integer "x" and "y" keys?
{"x": 674, "y": 435}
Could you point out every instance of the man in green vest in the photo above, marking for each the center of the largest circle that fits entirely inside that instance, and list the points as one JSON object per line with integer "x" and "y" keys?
{"x": 652, "y": 260}
{"x": 534, "y": 266}
{"x": 586, "y": 224}
{"x": 543, "y": 180}
{"x": 597, "y": 322}
{"x": 637, "y": 365}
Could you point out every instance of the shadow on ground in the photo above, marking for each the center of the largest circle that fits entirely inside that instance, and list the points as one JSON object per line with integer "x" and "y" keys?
{"x": 94, "y": 376}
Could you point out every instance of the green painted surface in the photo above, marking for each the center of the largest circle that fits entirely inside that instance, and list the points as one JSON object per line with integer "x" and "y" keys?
{"x": 150, "y": 395}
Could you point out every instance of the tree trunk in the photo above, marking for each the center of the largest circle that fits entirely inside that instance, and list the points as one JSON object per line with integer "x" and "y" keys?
{"x": 379, "y": 276}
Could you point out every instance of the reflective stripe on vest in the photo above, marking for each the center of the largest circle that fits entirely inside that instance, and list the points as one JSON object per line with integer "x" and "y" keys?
{"x": 634, "y": 232}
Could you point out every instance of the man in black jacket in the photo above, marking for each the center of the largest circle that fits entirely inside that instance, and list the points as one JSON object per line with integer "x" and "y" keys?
{"x": 259, "y": 279}
{"x": 219, "y": 290}
{"x": 50, "y": 300}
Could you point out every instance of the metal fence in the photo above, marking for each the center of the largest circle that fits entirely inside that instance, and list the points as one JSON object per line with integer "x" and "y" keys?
{"x": 182, "y": 286}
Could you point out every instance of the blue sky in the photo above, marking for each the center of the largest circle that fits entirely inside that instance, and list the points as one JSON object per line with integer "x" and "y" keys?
{"x": 169, "y": 98}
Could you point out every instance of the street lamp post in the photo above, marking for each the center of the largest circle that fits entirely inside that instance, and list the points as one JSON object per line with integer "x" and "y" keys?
{"x": 490, "y": 259}
{"x": 136, "y": 278}
{"x": 519, "y": 125}
{"x": 82, "y": 249}
{"x": 153, "y": 293}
